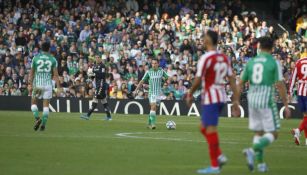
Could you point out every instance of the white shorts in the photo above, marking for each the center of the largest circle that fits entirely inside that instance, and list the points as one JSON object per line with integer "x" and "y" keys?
{"x": 154, "y": 99}
{"x": 266, "y": 120}
{"x": 44, "y": 92}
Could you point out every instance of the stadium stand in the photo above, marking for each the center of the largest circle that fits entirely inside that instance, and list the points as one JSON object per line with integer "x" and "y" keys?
{"x": 127, "y": 34}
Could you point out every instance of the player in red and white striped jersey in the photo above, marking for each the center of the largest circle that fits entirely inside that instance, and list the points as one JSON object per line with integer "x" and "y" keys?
{"x": 299, "y": 76}
{"x": 212, "y": 70}
{"x": 217, "y": 66}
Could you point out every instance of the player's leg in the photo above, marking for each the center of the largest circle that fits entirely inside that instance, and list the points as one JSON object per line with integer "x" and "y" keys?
{"x": 91, "y": 109}
{"x": 259, "y": 146}
{"x": 258, "y": 153}
{"x": 93, "y": 106}
{"x": 271, "y": 124}
{"x": 35, "y": 112}
{"x": 302, "y": 101}
{"x": 34, "y": 108}
{"x": 222, "y": 159}
{"x": 153, "y": 108}
{"x": 36, "y": 93}
{"x": 152, "y": 113}
{"x": 304, "y": 126}
{"x": 45, "y": 114}
{"x": 47, "y": 95}
{"x": 210, "y": 115}
{"x": 255, "y": 125}
{"x": 106, "y": 108}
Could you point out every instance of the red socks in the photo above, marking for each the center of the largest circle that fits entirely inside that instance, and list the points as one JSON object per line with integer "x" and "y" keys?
{"x": 303, "y": 126}
{"x": 213, "y": 143}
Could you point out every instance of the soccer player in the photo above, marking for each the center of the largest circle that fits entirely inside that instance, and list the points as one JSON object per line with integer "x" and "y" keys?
{"x": 44, "y": 66}
{"x": 300, "y": 74}
{"x": 154, "y": 76}
{"x": 99, "y": 73}
{"x": 212, "y": 70}
{"x": 263, "y": 73}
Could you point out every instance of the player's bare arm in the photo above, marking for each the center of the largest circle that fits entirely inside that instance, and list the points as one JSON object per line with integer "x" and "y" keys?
{"x": 236, "y": 95}
{"x": 56, "y": 78}
{"x": 195, "y": 86}
{"x": 292, "y": 83}
{"x": 31, "y": 77}
{"x": 137, "y": 87}
{"x": 283, "y": 94}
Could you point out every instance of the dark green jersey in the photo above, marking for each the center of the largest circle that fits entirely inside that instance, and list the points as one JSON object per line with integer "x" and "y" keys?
{"x": 43, "y": 65}
{"x": 154, "y": 78}
{"x": 262, "y": 72}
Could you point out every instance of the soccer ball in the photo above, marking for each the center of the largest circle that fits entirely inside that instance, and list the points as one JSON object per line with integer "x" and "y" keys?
{"x": 170, "y": 125}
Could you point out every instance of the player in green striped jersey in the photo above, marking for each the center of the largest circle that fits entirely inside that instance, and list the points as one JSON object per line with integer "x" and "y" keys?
{"x": 263, "y": 73}
{"x": 44, "y": 66}
{"x": 154, "y": 77}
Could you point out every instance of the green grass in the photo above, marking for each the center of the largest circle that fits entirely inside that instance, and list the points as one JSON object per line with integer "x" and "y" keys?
{"x": 71, "y": 146}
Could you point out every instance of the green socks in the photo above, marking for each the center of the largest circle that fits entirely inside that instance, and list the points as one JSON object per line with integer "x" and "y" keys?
{"x": 149, "y": 119}
{"x": 260, "y": 143}
{"x": 34, "y": 110}
{"x": 259, "y": 156}
{"x": 263, "y": 142}
{"x": 152, "y": 117}
{"x": 45, "y": 115}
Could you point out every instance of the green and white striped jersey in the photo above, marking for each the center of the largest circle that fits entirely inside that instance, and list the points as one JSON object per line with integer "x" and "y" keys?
{"x": 43, "y": 65}
{"x": 154, "y": 78}
{"x": 262, "y": 72}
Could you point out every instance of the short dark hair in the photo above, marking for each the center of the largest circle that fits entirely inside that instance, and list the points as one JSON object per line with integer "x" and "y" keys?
{"x": 46, "y": 46}
{"x": 213, "y": 36}
{"x": 266, "y": 43}
{"x": 155, "y": 59}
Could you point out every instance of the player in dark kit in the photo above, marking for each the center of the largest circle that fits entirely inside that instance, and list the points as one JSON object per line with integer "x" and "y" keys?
{"x": 99, "y": 73}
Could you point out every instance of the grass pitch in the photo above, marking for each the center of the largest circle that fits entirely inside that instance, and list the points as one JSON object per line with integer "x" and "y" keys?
{"x": 71, "y": 146}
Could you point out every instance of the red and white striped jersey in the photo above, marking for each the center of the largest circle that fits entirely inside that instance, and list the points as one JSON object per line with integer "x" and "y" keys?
{"x": 212, "y": 68}
{"x": 300, "y": 75}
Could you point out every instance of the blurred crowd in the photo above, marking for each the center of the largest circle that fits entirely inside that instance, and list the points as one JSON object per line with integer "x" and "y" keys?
{"x": 126, "y": 35}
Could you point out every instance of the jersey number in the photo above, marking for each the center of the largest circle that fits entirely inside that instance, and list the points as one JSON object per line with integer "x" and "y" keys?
{"x": 220, "y": 72}
{"x": 304, "y": 70}
{"x": 257, "y": 73}
{"x": 44, "y": 66}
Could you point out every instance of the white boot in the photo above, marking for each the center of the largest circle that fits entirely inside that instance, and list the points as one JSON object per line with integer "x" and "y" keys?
{"x": 296, "y": 134}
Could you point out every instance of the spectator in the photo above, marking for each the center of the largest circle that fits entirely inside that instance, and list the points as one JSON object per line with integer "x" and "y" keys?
{"x": 128, "y": 35}
{"x": 301, "y": 26}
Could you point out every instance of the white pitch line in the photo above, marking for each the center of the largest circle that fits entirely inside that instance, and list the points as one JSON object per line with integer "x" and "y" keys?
{"x": 41, "y": 135}
{"x": 129, "y": 135}
{"x": 133, "y": 135}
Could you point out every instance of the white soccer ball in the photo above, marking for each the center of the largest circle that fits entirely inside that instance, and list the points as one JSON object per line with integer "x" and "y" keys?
{"x": 170, "y": 124}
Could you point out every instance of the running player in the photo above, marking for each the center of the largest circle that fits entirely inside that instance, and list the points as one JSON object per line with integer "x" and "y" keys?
{"x": 263, "y": 72}
{"x": 212, "y": 70}
{"x": 154, "y": 77}
{"x": 44, "y": 65}
{"x": 99, "y": 73}
{"x": 300, "y": 75}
